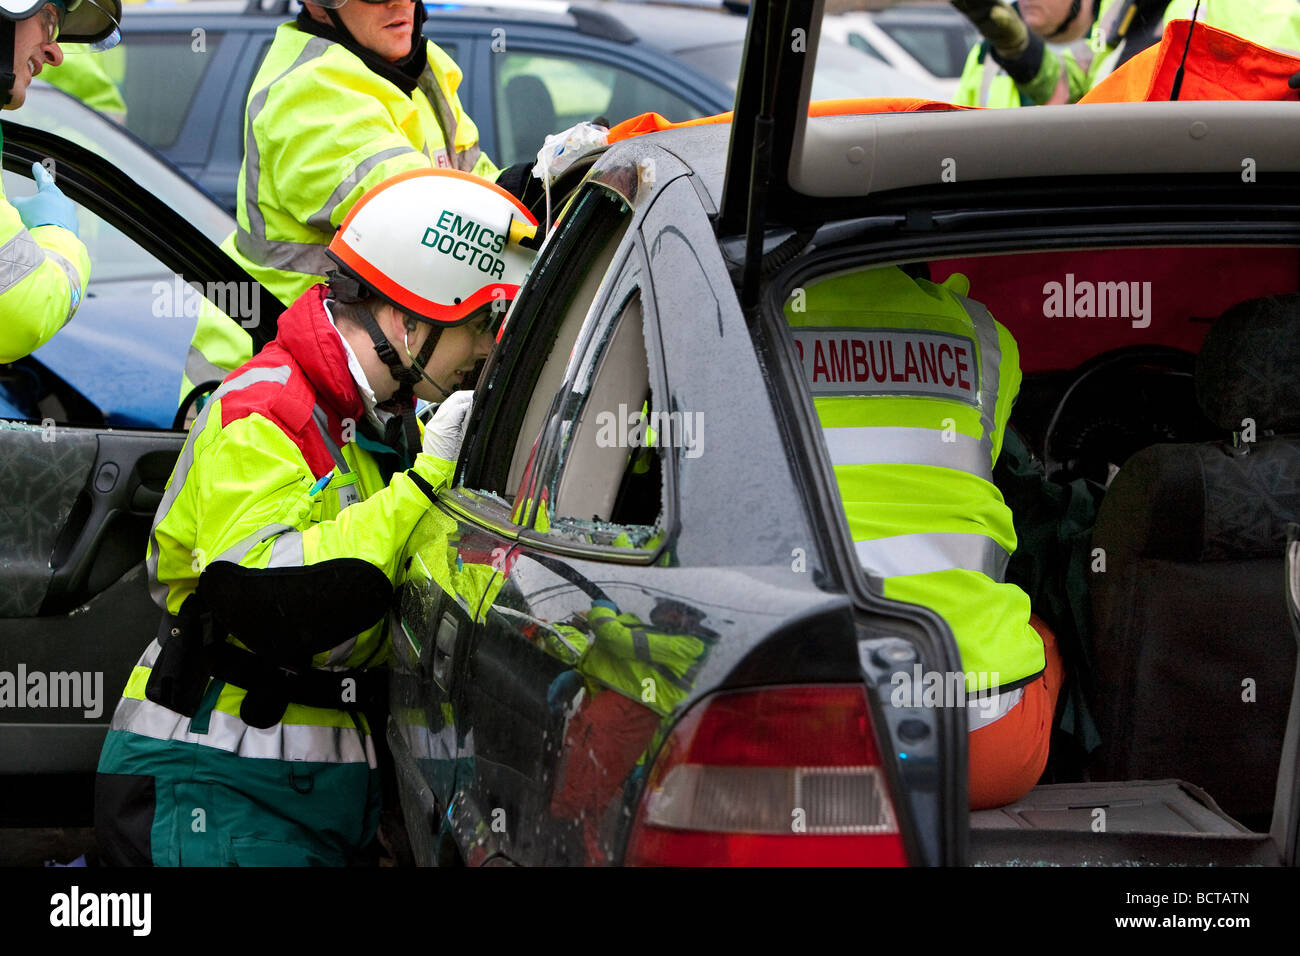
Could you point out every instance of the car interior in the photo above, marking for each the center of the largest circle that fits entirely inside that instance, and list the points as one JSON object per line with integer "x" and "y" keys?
{"x": 1161, "y": 405}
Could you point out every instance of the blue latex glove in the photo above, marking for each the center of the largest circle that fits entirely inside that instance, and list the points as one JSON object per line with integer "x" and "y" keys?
{"x": 49, "y": 207}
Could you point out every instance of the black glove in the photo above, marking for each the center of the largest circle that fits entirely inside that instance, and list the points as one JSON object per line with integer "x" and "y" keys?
{"x": 999, "y": 23}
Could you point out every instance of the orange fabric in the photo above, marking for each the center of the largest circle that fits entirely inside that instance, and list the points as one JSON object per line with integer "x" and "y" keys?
{"x": 655, "y": 123}
{"x": 1220, "y": 66}
{"x": 1008, "y": 756}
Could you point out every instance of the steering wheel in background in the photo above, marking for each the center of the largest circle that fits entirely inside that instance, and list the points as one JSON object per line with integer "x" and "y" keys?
{"x": 192, "y": 398}
{"x": 1121, "y": 425}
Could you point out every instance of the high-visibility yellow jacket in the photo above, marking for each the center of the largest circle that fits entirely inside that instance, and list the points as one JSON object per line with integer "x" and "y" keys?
{"x": 913, "y": 384}
{"x": 43, "y": 276}
{"x": 321, "y": 128}
{"x": 250, "y": 487}
{"x": 83, "y": 75}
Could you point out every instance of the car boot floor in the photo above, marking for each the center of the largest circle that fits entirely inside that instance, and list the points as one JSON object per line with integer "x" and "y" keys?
{"x": 1131, "y": 823}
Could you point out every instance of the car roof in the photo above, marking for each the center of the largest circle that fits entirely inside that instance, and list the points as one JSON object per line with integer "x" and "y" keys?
{"x": 664, "y": 27}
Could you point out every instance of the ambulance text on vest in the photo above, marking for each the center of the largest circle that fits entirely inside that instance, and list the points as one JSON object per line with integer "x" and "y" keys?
{"x": 73, "y": 690}
{"x": 467, "y": 241}
{"x": 1100, "y": 300}
{"x": 856, "y": 361}
{"x": 75, "y": 908}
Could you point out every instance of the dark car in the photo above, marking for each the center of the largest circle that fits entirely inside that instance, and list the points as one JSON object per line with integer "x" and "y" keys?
{"x": 530, "y": 69}
{"x": 636, "y": 630}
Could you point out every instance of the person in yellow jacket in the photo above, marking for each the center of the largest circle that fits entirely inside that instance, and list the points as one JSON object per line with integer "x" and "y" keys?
{"x": 913, "y": 383}
{"x": 241, "y": 738}
{"x": 45, "y": 264}
{"x": 85, "y": 78}
{"x": 349, "y": 94}
{"x": 1111, "y": 30}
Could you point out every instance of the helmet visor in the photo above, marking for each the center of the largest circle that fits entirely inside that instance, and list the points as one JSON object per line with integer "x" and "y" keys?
{"x": 92, "y": 24}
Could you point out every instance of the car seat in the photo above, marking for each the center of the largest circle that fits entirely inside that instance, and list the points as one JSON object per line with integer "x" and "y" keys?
{"x": 1193, "y": 652}
{"x": 532, "y": 115}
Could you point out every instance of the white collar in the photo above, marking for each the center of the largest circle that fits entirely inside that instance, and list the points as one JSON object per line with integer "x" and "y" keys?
{"x": 377, "y": 415}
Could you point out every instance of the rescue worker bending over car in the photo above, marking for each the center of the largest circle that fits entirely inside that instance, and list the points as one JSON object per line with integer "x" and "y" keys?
{"x": 45, "y": 264}
{"x": 280, "y": 537}
{"x": 913, "y": 384}
{"x": 347, "y": 96}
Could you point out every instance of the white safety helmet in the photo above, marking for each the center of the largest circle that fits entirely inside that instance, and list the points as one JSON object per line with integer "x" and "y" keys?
{"x": 94, "y": 22}
{"x": 440, "y": 245}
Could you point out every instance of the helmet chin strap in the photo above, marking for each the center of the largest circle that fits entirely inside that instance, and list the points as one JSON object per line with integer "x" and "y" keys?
{"x": 1075, "y": 7}
{"x": 418, "y": 362}
{"x": 7, "y": 77}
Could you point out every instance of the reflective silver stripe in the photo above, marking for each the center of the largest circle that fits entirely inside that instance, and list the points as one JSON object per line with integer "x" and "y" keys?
{"x": 199, "y": 370}
{"x": 446, "y": 116}
{"x": 305, "y": 257}
{"x": 905, "y": 554}
{"x": 984, "y": 710}
{"x": 986, "y": 331}
{"x": 18, "y": 258}
{"x": 280, "y": 375}
{"x": 256, "y": 233}
{"x": 339, "y": 653}
{"x": 150, "y": 654}
{"x": 287, "y": 551}
{"x": 865, "y": 445}
{"x": 990, "y": 73}
{"x": 640, "y": 645}
{"x": 237, "y": 552}
{"x": 74, "y": 281}
{"x": 321, "y": 218}
{"x": 322, "y": 423}
{"x": 227, "y": 732}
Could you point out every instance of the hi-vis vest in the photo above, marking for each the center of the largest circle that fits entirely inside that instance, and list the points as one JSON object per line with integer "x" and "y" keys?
{"x": 985, "y": 83}
{"x": 321, "y": 128}
{"x": 913, "y": 384}
{"x": 43, "y": 276}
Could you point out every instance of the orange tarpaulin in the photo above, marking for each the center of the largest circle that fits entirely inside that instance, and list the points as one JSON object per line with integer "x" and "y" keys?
{"x": 1220, "y": 66}
{"x": 654, "y": 123}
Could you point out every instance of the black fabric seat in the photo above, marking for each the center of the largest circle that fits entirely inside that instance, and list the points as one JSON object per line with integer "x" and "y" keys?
{"x": 1193, "y": 652}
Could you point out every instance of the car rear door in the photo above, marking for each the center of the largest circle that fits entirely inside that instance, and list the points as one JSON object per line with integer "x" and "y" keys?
{"x": 85, "y": 454}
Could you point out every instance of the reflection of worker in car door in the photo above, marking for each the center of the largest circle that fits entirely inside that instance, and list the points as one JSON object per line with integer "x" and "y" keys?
{"x": 636, "y": 675}
{"x": 44, "y": 267}
{"x": 913, "y": 384}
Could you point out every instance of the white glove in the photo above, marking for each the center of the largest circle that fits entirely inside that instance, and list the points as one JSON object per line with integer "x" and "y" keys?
{"x": 562, "y": 150}
{"x": 446, "y": 430}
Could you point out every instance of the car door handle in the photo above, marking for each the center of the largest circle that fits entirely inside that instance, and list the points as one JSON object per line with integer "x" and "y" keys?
{"x": 444, "y": 650}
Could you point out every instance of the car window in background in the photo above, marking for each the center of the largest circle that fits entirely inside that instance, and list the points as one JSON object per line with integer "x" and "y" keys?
{"x": 53, "y": 111}
{"x": 537, "y": 94}
{"x": 941, "y": 50}
{"x": 859, "y": 42}
{"x": 159, "y": 75}
{"x": 842, "y": 72}
{"x": 119, "y": 361}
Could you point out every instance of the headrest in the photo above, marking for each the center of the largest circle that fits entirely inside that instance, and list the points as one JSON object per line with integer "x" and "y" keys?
{"x": 1249, "y": 366}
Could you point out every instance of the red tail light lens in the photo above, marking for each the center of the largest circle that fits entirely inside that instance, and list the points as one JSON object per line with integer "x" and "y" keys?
{"x": 779, "y": 776}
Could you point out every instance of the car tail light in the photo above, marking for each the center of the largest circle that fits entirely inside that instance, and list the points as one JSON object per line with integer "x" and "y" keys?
{"x": 779, "y": 776}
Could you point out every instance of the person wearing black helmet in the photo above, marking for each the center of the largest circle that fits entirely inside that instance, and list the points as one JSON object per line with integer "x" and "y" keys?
{"x": 46, "y": 264}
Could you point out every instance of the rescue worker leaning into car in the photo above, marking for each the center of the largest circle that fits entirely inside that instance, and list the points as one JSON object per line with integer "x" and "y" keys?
{"x": 913, "y": 384}
{"x": 239, "y": 738}
{"x": 1012, "y": 66}
{"x": 45, "y": 264}
{"x": 348, "y": 95}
